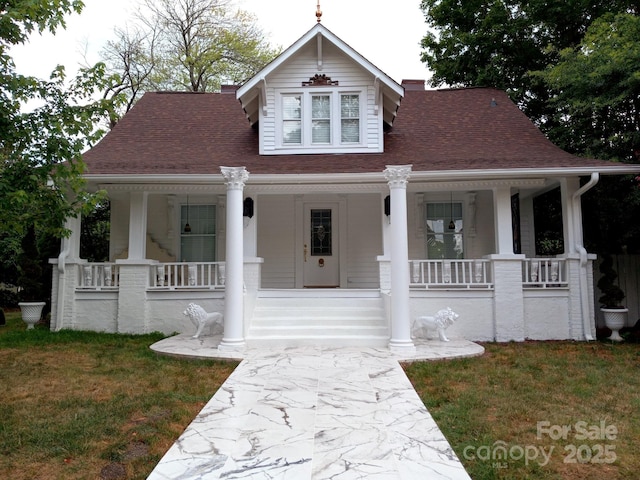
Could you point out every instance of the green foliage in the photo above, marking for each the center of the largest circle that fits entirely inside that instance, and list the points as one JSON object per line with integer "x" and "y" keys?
{"x": 44, "y": 127}
{"x": 598, "y": 88}
{"x": 94, "y": 239}
{"x": 547, "y": 218}
{"x": 612, "y": 294}
{"x": 185, "y": 45}
{"x": 8, "y": 297}
{"x": 75, "y": 401}
{"x": 502, "y": 395}
{"x": 202, "y": 43}
{"x": 20, "y": 18}
{"x": 497, "y": 43}
{"x": 573, "y": 67}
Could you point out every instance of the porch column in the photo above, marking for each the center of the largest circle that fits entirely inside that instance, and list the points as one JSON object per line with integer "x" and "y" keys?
{"x": 138, "y": 225}
{"x": 64, "y": 278}
{"x": 397, "y": 177}
{"x": 233, "y": 337}
{"x": 503, "y": 223}
{"x": 580, "y": 263}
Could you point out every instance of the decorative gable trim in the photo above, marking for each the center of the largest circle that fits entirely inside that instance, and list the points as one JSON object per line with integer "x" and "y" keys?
{"x": 319, "y": 79}
{"x": 389, "y": 88}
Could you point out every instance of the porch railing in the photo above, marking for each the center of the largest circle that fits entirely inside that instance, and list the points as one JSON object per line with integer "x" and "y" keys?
{"x": 544, "y": 273}
{"x": 98, "y": 276}
{"x": 187, "y": 275}
{"x": 450, "y": 274}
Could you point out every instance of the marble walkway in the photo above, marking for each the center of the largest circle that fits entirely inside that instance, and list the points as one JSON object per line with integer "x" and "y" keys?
{"x": 313, "y": 413}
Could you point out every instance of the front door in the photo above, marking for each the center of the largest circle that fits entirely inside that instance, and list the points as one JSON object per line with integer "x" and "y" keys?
{"x": 321, "y": 262}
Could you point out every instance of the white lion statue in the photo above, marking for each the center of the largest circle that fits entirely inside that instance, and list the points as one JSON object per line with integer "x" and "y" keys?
{"x": 440, "y": 321}
{"x": 201, "y": 319}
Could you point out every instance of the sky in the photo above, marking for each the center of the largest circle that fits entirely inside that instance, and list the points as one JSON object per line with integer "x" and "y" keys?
{"x": 385, "y": 33}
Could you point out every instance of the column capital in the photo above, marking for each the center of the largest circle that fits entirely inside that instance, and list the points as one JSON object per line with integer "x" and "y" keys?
{"x": 235, "y": 177}
{"x": 397, "y": 175}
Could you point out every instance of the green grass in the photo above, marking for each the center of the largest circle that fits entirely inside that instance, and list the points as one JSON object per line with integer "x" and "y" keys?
{"x": 74, "y": 403}
{"x": 499, "y": 399}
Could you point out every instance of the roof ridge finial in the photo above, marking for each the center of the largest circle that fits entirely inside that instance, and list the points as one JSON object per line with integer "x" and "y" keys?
{"x": 318, "y": 12}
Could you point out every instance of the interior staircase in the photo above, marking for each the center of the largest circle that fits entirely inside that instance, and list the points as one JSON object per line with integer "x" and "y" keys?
{"x": 331, "y": 317}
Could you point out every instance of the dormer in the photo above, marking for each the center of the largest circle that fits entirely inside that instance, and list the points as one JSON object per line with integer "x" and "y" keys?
{"x": 320, "y": 96}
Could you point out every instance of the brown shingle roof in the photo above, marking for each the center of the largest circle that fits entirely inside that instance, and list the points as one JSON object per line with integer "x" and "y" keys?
{"x": 196, "y": 133}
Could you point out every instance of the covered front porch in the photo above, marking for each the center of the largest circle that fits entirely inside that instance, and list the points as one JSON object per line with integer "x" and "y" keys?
{"x": 378, "y": 234}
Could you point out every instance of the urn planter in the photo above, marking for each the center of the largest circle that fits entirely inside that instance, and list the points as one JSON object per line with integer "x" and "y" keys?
{"x": 615, "y": 319}
{"x": 31, "y": 312}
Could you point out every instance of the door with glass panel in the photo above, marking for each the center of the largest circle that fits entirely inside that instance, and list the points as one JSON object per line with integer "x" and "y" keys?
{"x": 321, "y": 262}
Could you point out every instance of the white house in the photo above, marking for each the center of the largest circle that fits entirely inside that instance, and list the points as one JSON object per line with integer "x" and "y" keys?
{"x": 323, "y": 202}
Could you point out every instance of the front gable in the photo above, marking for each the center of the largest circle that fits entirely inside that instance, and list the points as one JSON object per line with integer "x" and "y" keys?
{"x": 320, "y": 96}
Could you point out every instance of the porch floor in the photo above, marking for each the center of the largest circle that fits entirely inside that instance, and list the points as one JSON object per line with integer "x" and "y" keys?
{"x": 313, "y": 412}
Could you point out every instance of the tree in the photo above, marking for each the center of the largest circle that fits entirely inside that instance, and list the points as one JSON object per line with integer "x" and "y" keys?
{"x": 131, "y": 58}
{"x": 186, "y": 45}
{"x": 598, "y": 89}
{"x": 498, "y": 43}
{"x": 574, "y": 68}
{"x": 44, "y": 126}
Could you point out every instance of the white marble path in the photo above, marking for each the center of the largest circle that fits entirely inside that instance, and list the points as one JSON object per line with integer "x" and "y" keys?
{"x": 313, "y": 413}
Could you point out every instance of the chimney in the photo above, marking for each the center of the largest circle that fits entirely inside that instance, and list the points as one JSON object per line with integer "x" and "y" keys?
{"x": 414, "y": 85}
{"x": 229, "y": 88}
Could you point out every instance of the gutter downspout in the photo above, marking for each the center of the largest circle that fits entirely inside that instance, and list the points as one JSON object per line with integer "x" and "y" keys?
{"x": 61, "y": 283}
{"x": 577, "y": 227}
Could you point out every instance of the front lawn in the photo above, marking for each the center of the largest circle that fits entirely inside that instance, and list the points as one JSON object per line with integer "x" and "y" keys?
{"x": 83, "y": 405}
{"x": 539, "y": 410}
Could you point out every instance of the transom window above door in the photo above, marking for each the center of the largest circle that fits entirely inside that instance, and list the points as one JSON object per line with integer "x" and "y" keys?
{"x": 321, "y": 119}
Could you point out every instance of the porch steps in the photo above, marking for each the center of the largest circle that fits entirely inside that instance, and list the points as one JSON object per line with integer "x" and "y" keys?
{"x": 319, "y": 317}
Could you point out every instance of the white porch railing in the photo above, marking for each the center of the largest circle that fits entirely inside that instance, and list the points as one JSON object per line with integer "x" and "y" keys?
{"x": 450, "y": 274}
{"x": 182, "y": 275}
{"x": 544, "y": 273}
{"x": 98, "y": 276}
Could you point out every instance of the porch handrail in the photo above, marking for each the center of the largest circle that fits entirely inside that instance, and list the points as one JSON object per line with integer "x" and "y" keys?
{"x": 187, "y": 275}
{"x": 471, "y": 273}
{"x": 544, "y": 273}
{"x": 98, "y": 276}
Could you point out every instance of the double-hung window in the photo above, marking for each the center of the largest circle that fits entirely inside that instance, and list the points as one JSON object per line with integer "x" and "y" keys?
{"x": 444, "y": 232}
{"x": 198, "y": 240}
{"x": 350, "y": 118}
{"x": 292, "y": 119}
{"x": 320, "y": 118}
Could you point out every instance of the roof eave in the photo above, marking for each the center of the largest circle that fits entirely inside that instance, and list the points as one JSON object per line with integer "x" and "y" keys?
{"x": 366, "y": 177}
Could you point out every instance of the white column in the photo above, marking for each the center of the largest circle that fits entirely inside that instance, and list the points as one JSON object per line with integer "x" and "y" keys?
{"x": 74, "y": 224}
{"x": 233, "y": 337}
{"x": 397, "y": 177}
{"x": 502, "y": 216}
{"x": 571, "y": 219}
{"x": 138, "y": 225}
{"x": 63, "y": 285}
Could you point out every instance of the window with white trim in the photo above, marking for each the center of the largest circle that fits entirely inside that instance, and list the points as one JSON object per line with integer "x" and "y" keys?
{"x": 315, "y": 117}
{"x": 350, "y": 118}
{"x": 444, "y": 242}
{"x": 198, "y": 240}
{"x": 291, "y": 119}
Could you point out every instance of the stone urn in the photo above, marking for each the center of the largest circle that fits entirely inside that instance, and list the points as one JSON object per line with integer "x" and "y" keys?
{"x": 615, "y": 319}
{"x": 31, "y": 312}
